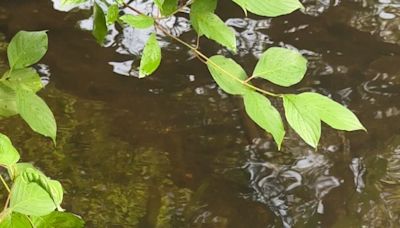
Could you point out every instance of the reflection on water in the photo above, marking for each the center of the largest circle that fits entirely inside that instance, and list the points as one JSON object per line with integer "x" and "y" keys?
{"x": 175, "y": 151}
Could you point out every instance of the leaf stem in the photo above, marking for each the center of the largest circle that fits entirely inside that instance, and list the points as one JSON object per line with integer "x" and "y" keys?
{"x": 205, "y": 59}
{"x": 5, "y": 183}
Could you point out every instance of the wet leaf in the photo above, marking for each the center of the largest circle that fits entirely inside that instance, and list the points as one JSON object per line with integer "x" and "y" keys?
{"x": 261, "y": 111}
{"x": 151, "y": 57}
{"x": 303, "y": 118}
{"x": 139, "y": 21}
{"x": 99, "y": 24}
{"x": 58, "y": 219}
{"x": 8, "y": 154}
{"x": 224, "y": 71}
{"x": 269, "y": 8}
{"x": 281, "y": 66}
{"x": 26, "y": 48}
{"x": 36, "y": 113}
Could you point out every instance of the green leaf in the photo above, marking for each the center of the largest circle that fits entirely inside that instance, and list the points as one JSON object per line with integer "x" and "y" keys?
{"x": 281, "y": 66}
{"x": 270, "y": 8}
{"x": 27, "y": 77}
{"x": 15, "y": 220}
{"x": 167, "y": 7}
{"x": 72, "y": 2}
{"x": 36, "y": 113}
{"x": 17, "y": 169}
{"x": 29, "y": 198}
{"x": 26, "y": 48}
{"x": 332, "y": 113}
{"x": 8, "y": 104}
{"x": 112, "y": 14}
{"x": 205, "y": 22}
{"x": 99, "y": 24}
{"x": 8, "y": 154}
{"x": 139, "y": 21}
{"x": 261, "y": 111}
{"x": 228, "y": 75}
{"x": 58, "y": 219}
{"x": 151, "y": 57}
{"x": 303, "y": 118}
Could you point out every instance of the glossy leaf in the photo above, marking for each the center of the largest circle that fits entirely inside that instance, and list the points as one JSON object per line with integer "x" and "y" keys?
{"x": 270, "y": 8}
{"x": 303, "y": 118}
{"x": 30, "y": 198}
{"x": 228, "y": 75}
{"x": 281, "y": 66}
{"x": 332, "y": 113}
{"x": 261, "y": 111}
{"x": 36, "y": 113}
{"x": 27, "y": 48}
{"x": 167, "y": 7}
{"x": 28, "y": 77}
{"x": 8, "y": 154}
{"x": 8, "y": 101}
{"x": 205, "y": 22}
{"x": 139, "y": 21}
{"x": 151, "y": 57}
{"x": 99, "y": 24}
{"x": 58, "y": 219}
{"x": 112, "y": 14}
{"x": 15, "y": 220}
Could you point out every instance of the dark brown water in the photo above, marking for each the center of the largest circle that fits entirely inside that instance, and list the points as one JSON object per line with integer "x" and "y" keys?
{"x": 174, "y": 151}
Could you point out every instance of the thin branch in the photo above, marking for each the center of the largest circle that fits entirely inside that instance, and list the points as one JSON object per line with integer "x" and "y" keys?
{"x": 5, "y": 184}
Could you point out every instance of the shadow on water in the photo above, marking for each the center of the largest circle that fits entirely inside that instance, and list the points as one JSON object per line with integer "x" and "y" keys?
{"x": 174, "y": 151}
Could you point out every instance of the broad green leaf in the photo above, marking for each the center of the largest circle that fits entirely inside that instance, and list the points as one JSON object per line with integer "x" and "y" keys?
{"x": 36, "y": 113}
{"x": 270, "y": 8}
{"x": 27, "y": 77}
{"x": 29, "y": 198}
{"x": 261, "y": 111}
{"x": 281, "y": 66}
{"x": 99, "y": 24}
{"x": 112, "y": 14}
{"x": 26, "y": 48}
{"x": 151, "y": 57}
{"x": 228, "y": 75}
{"x": 52, "y": 187}
{"x": 8, "y": 154}
{"x": 332, "y": 113}
{"x": 72, "y": 2}
{"x": 303, "y": 118}
{"x": 205, "y": 22}
{"x": 8, "y": 104}
{"x": 210, "y": 25}
{"x": 17, "y": 169}
{"x": 59, "y": 220}
{"x": 15, "y": 220}
{"x": 139, "y": 21}
{"x": 167, "y": 7}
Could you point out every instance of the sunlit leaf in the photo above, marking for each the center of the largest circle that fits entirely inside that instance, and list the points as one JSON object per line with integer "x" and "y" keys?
{"x": 332, "y": 113}
{"x": 205, "y": 22}
{"x": 8, "y": 154}
{"x": 36, "y": 113}
{"x": 303, "y": 118}
{"x": 261, "y": 111}
{"x": 139, "y": 21}
{"x": 270, "y": 8}
{"x": 281, "y": 66}
{"x": 26, "y": 48}
{"x": 151, "y": 57}
{"x": 30, "y": 198}
{"x": 27, "y": 77}
{"x": 73, "y": 2}
{"x": 167, "y": 7}
{"x": 58, "y": 219}
{"x": 8, "y": 101}
{"x": 99, "y": 24}
{"x": 15, "y": 220}
{"x": 112, "y": 14}
{"x": 228, "y": 75}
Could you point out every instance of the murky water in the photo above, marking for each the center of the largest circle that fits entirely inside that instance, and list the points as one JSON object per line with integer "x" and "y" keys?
{"x": 174, "y": 151}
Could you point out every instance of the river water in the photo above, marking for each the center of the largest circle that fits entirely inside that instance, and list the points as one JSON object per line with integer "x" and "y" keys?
{"x": 173, "y": 150}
